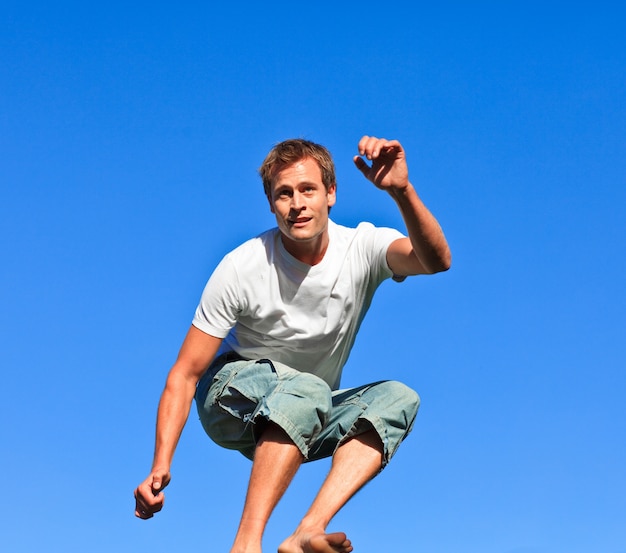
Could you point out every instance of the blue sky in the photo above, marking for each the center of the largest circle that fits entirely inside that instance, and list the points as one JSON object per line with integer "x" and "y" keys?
{"x": 130, "y": 137}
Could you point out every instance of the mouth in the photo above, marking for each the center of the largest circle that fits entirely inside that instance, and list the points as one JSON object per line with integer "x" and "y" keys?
{"x": 299, "y": 222}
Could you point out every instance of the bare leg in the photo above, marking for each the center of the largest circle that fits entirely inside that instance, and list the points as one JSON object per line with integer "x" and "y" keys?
{"x": 355, "y": 463}
{"x": 276, "y": 461}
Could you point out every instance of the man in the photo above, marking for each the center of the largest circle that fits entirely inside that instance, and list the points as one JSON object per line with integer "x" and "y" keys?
{"x": 272, "y": 332}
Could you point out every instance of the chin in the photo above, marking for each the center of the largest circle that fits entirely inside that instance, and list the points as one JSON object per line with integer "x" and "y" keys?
{"x": 298, "y": 236}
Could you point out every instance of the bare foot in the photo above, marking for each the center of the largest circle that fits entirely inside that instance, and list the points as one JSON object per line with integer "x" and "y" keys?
{"x": 304, "y": 542}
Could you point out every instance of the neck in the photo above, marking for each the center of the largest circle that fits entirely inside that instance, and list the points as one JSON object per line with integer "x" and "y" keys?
{"x": 310, "y": 252}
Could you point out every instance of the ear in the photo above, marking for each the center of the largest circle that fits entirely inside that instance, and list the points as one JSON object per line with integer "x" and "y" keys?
{"x": 331, "y": 194}
{"x": 269, "y": 200}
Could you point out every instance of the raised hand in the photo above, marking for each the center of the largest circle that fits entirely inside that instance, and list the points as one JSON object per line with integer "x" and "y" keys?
{"x": 388, "y": 169}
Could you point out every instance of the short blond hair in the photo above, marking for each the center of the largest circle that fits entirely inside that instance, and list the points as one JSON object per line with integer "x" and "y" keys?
{"x": 290, "y": 151}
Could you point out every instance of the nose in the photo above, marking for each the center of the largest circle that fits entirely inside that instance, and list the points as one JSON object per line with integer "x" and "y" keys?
{"x": 297, "y": 201}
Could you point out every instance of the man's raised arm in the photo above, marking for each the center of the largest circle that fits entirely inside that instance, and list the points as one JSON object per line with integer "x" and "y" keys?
{"x": 196, "y": 353}
{"x": 426, "y": 250}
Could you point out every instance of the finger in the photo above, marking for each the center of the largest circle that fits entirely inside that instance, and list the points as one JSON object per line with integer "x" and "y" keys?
{"x": 147, "y": 510}
{"x": 160, "y": 479}
{"x": 378, "y": 146}
{"x": 366, "y": 146}
{"x": 371, "y": 147}
{"x": 147, "y": 502}
{"x": 390, "y": 146}
{"x": 361, "y": 165}
{"x": 362, "y": 143}
{"x": 143, "y": 514}
{"x": 142, "y": 510}
{"x": 156, "y": 484}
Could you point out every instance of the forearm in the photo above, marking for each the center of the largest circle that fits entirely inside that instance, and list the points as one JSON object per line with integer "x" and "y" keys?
{"x": 172, "y": 415}
{"x": 428, "y": 241}
{"x": 426, "y": 251}
{"x": 194, "y": 357}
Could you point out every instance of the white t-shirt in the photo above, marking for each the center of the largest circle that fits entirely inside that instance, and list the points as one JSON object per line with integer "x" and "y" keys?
{"x": 267, "y": 304}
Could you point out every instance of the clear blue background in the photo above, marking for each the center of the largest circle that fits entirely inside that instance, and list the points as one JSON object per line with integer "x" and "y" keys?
{"x": 130, "y": 134}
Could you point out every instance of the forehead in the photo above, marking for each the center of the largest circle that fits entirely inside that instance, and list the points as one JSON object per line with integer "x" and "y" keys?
{"x": 303, "y": 170}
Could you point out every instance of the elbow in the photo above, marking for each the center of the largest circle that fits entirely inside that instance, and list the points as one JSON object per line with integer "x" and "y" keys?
{"x": 442, "y": 264}
{"x": 440, "y": 268}
{"x": 446, "y": 262}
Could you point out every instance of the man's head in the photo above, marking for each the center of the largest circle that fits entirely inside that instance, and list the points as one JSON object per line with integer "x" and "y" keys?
{"x": 299, "y": 181}
{"x": 287, "y": 153}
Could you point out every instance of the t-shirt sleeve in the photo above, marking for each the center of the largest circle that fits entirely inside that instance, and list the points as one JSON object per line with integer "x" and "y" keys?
{"x": 377, "y": 243}
{"x": 219, "y": 305}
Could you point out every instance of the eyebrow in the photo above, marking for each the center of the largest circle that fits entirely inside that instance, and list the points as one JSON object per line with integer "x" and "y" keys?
{"x": 301, "y": 183}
